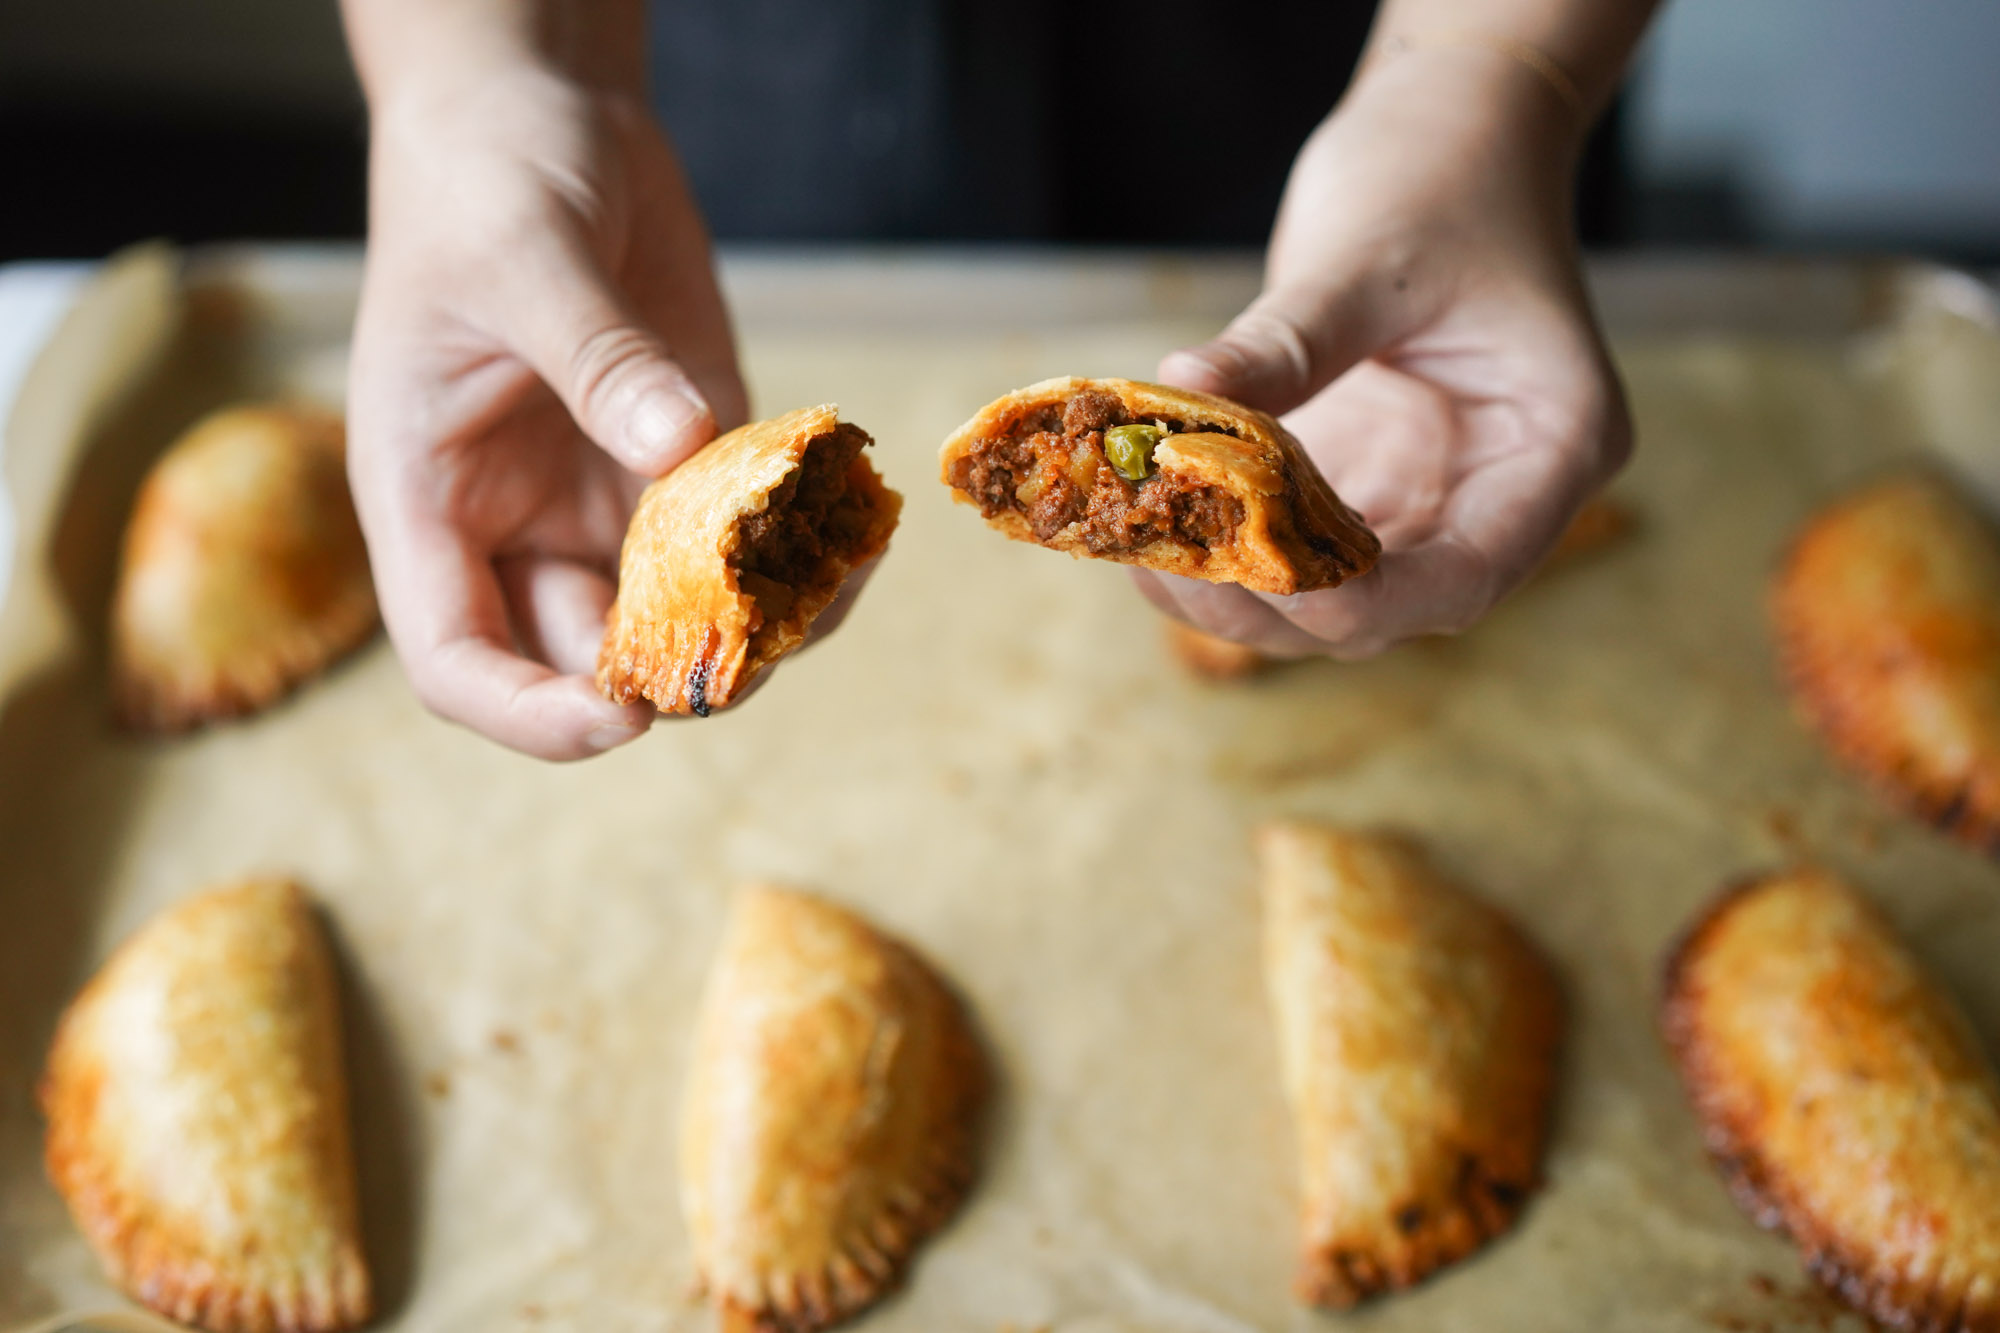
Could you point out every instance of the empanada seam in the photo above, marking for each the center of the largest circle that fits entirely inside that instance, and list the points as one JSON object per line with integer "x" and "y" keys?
{"x": 1752, "y": 1186}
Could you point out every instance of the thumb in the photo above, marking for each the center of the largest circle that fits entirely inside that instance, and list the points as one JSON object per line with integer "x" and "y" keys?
{"x": 1286, "y": 346}
{"x": 616, "y": 376}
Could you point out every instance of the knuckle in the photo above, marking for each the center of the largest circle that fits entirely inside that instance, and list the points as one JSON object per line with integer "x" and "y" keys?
{"x": 1273, "y": 339}
{"x": 605, "y": 364}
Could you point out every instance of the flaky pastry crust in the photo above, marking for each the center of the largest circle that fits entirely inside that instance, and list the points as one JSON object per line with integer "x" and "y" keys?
{"x": 831, "y": 1114}
{"x": 1292, "y": 534}
{"x": 244, "y": 571}
{"x": 1417, "y": 1034}
{"x": 1844, "y": 1098}
{"x": 197, "y": 1118}
{"x": 695, "y": 622}
{"x": 1887, "y": 612}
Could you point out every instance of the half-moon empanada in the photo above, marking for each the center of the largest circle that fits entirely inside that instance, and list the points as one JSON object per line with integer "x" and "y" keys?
{"x": 1888, "y": 620}
{"x": 1417, "y": 1034}
{"x": 244, "y": 571}
{"x": 1158, "y": 477}
{"x": 197, "y": 1118}
{"x": 831, "y": 1114}
{"x": 1844, "y": 1097}
{"x": 732, "y": 554}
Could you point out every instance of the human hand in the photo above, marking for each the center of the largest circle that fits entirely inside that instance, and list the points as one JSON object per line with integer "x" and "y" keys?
{"x": 1424, "y": 331}
{"x": 540, "y": 334}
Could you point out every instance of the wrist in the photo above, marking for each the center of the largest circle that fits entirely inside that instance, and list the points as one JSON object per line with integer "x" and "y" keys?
{"x": 1485, "y": 97}
{"x": 445, "y": 48}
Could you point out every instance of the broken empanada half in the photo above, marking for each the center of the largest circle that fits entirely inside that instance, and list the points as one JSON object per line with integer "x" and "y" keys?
{"x": 1158, "y": 477}
{"x": 831, "y": 1114}
{"x": 197, "y": 1118}
{"x": 244, "y": 571}
{"x": 1417, "y": 1035}
{"x": 1887, "y": 612}
{"x": 731, "y": 556}
{"x": 1844, "y": 1097}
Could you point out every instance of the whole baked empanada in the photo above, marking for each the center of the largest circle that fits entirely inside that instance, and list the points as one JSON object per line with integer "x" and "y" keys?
{"x": 1888, "y": 620}
{"x": 831, "y": 1114}
{"x": 732, "y": 554}
{"x": 1158, "y": 477}
{"x": 244, "y": 572}
{"x": 197, "y": 1118}
{"x": 1417, "y": 1033}
{"x": 1844, "y": 1097}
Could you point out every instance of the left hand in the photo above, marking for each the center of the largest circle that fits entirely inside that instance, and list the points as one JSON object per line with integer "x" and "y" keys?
{"x": 1424, "y": 331}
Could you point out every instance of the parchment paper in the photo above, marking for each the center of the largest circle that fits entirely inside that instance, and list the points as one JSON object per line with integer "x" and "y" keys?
{"x": 994, "y": 758}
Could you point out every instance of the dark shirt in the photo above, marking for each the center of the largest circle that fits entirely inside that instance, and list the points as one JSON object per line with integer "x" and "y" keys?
{"x": 1161, "y": 122}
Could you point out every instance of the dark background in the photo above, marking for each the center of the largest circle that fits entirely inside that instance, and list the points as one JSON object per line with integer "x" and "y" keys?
{"x": 1792, "y": 123}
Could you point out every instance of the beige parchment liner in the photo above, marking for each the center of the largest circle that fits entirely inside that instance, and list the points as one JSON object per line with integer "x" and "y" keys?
{"x": 996, "y": 759}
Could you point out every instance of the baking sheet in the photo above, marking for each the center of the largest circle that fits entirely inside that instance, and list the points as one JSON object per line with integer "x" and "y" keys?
{"x": 995, "y": 759}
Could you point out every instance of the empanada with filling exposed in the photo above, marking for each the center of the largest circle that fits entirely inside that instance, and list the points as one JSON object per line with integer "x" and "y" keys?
{"x": 1844, "y": 1097}
{"x": 831, "y": 1114}
{"x": 732, "y": 554}
{"x": 244, "y": 571}
{"x": 1417, "y": 1034}
{"x": 197, "y": 1118}
{"x": 1158, "y": 477}
{"x": 1887, "y": 612}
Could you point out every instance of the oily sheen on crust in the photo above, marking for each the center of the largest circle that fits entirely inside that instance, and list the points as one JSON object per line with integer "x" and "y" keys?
{"x": 1844, "y": 1098}
{"x": 1887, "y": 614}
{"x": 197, "y": 1118}
{"x": 731, "y": 556}
{"x": 1230, "y": 496}
{"x": 831, "y": 1116}
{"x": 1417, "y": 1035}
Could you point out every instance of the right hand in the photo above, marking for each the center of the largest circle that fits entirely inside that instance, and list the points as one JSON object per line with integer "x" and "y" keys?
{"x": 540, "y": 334}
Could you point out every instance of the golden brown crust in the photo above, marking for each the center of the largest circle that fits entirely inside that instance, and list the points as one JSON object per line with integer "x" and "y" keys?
{"x": 684, "y": 632}
{"x": 1844, "y": 1098}
{"x": 244, "y": 571}
{"x": 1887, "y": 612}
{"x": 831, "y": 1116}
{"x": 1418, "y": 1032}
{"x": 197, "y": 1118}
{"x": 1212, "y": 656}
{"x": 1604, "y": 521}
{"x": 1295, "y": 534}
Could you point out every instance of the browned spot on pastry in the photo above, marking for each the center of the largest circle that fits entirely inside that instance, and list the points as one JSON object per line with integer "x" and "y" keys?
{"x": 1230, "y": 495}
{"x": 1887, "y": 611}
{"x": 732, "y": 555}
{"x": 197, "y": 1118}
{"x": 243, "y": 572}
{"x": 1417, "y": 1036}
{"x": 1844, "y": 1098}
{"x": 831, "y": 1119}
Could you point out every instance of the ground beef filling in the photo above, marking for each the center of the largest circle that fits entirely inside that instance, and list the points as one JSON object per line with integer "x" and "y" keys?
{"x": 783, "y": 549}
{"x": 1050, "y": 468}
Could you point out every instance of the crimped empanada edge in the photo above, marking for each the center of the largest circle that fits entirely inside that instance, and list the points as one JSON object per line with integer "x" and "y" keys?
{"x": 1481, "y": 1207}
{"x": 1755, "y": 1187}
{"x": 151, "y": 1264}
{"x": 145, "y": 702}
{"x": 1820, "y": 686}
{"x": 875, "y": 1263}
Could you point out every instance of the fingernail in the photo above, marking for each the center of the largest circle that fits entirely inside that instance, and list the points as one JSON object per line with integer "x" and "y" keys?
{"x": 609, "y": 737}
{"x": 661, "y": 425}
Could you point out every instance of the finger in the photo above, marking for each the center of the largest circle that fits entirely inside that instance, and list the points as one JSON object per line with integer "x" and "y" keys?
{"x": 557, "y": 610}
{"x": 1226, "y": 611}
{"x": 445, "y": 611}
{"x": 1293, "y": 341}
{"x": 1437, "y": 587}
{"x": 617, "y": 377}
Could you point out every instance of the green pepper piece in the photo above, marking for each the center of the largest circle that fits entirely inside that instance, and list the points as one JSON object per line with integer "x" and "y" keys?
{"x": 1130, "y": 449}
